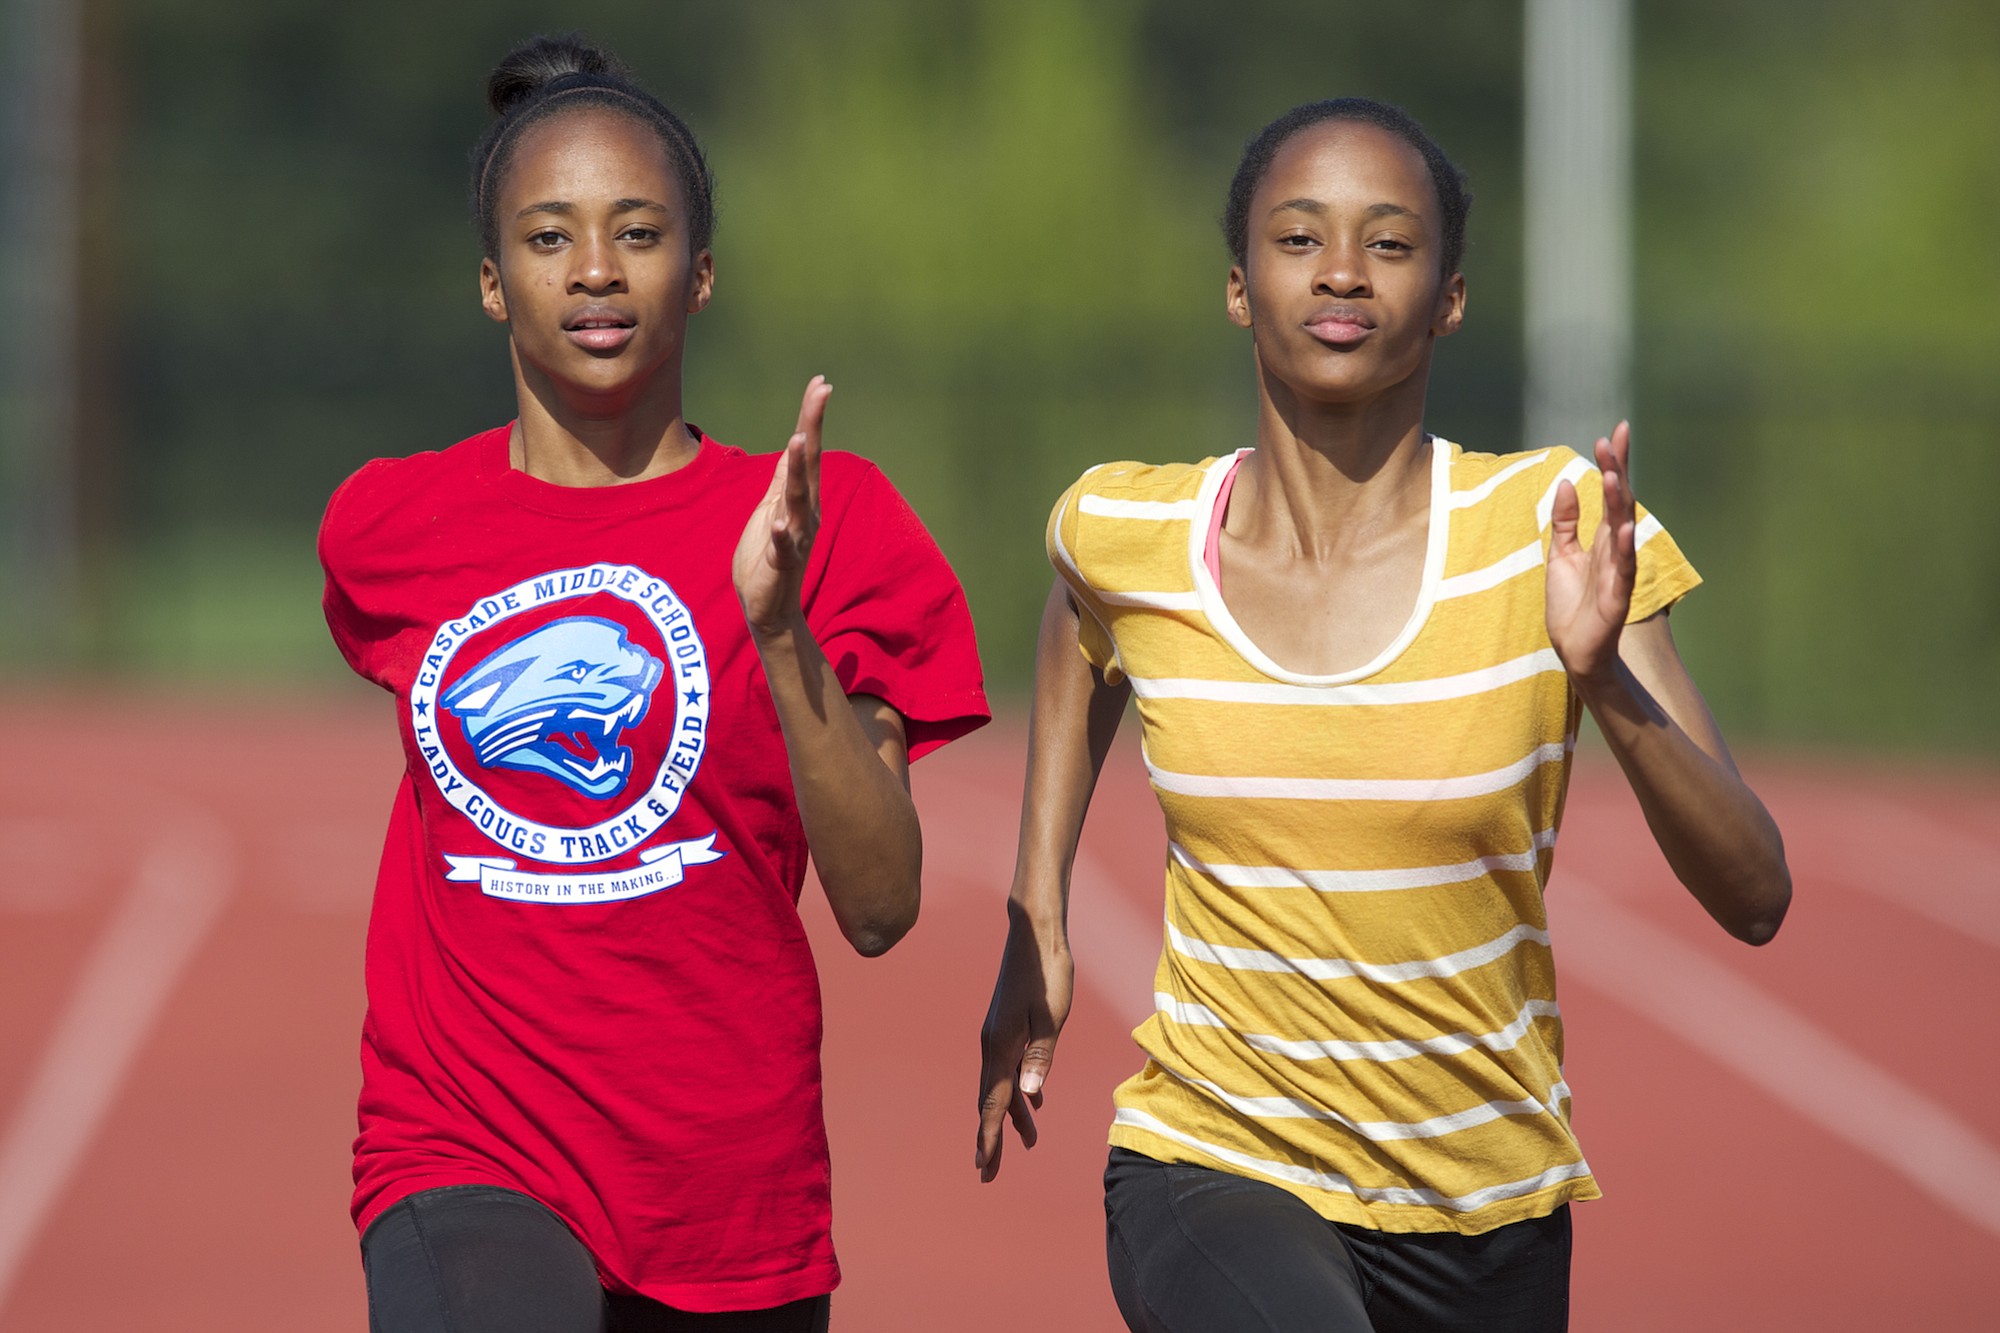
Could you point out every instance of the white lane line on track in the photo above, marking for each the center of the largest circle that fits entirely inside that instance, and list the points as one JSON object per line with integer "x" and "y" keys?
{"x": 1116, "y": 945}
{"x": 175, "y": 899}
{"x": 1762, "y": 1039}
{"x": 1915, "y": 861}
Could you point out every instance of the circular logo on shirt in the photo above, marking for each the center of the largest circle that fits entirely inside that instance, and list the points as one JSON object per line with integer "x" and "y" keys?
{"x": 565, "y": 716}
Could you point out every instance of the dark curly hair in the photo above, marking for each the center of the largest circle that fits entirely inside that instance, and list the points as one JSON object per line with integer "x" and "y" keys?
{"x": 546, "y": 76}
{"x": 1454, "y": 198}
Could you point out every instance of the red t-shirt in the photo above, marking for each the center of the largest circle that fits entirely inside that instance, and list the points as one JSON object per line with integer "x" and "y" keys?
{"x": 587, "y": 978}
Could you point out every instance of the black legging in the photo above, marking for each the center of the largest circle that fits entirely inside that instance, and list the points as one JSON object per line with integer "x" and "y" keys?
{"x": 1194, "y": 1250}
{"x": 479, "y": 1259}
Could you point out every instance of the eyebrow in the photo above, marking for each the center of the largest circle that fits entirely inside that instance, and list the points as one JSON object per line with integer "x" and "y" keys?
{"x": 1318, "y": 209}
{"x": 563, "y": 208}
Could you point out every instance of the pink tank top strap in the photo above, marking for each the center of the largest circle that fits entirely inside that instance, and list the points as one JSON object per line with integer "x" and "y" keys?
{"x": 1211, "y": 547}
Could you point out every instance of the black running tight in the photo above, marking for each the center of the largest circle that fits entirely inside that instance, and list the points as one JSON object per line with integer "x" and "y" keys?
{"x": 1194, "y": 1250}
{"x": 479, "y": 1259}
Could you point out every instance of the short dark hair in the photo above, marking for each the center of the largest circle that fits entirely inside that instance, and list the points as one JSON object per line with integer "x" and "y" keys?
{"x": 545, "y": 76}
{"x": 1454, "y": 198}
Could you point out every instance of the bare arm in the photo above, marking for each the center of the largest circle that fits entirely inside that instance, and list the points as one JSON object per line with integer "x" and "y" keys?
{"x": 1721, "y": 842}
{"x": 849, "y": 757}
{"x": 1076, "y": 715}
{"x": 1718, "y": 837}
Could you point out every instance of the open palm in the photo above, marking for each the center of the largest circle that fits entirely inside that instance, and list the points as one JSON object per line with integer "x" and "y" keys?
{"x": 771, "y": 555}
{"x": 1590, "y": 590}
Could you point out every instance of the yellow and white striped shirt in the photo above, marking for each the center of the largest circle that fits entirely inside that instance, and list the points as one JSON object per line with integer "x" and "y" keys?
{"x": 1356, "y": 999}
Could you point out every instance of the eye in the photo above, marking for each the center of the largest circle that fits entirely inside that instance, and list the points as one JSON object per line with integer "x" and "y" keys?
{"x": 640, "y": 235}
{"x": 1296, "y": 241}
{"x": 545, "y": 240}
{"x": 1391, "y": 244}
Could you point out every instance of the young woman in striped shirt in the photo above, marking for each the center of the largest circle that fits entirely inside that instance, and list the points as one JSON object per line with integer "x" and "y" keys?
{"x": 1360, "y": 655}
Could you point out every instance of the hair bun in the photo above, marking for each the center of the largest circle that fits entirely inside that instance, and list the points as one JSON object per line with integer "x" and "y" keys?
{"x": 540, "y": 60}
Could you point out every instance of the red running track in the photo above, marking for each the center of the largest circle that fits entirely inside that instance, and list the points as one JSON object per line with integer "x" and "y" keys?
{"x": 1802, "y": 1137}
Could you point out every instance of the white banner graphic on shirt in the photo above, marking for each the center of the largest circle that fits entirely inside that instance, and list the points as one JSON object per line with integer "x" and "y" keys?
{"x": 659, "y": 868}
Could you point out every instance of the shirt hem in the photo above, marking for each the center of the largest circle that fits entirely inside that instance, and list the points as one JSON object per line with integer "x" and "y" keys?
{"x": 761, "y": 1293}
{"x": 1396, "y": 1218}
{"x": 367, "y": 1214}
{"x": 756, "y": 1293}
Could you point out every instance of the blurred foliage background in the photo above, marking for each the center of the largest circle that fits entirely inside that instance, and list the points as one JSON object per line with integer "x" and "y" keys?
{"x": 993, "y": 225}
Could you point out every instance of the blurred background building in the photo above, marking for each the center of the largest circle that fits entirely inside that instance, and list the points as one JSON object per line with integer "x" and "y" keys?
{"x": 247, "y": 268}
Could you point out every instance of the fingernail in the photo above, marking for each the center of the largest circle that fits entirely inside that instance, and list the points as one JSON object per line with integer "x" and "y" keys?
{"x": 1031, "y": 1083}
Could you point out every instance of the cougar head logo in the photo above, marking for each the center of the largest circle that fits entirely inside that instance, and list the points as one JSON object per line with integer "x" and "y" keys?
{"x": 555, "y": 700}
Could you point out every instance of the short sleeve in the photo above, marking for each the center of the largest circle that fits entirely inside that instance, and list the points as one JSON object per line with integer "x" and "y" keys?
{"x": 888, "y": 611}
{"x": 341, "y": 537}
{"x": 1665, "y": 573}
{"x": 1093, "y": 638}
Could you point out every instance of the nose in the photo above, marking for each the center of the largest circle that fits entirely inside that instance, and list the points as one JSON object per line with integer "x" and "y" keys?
{"x": 1342, "y": 271}
{"x": 596, "y": 266}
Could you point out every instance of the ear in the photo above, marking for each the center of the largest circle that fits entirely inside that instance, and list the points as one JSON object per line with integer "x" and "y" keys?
{"x": 492, "y": 296}
{"x": 703, "y": 285}
{"x": 1450, "y": 307}
{"x": 1236, "y": 297}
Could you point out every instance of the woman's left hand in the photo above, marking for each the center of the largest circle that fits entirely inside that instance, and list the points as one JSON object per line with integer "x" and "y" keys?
{"x": 771, "y": 556}
{"x": 1590, "y": 591}
{"x": 1714, "y": 832}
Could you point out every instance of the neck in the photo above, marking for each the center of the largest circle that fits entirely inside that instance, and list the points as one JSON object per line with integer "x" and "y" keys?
{"x": 1326, "y": 475}
{"x": 579, "y": 439}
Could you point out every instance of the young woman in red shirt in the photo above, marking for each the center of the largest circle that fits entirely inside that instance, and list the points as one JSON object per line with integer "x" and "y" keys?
{"x": 640, "y": 676}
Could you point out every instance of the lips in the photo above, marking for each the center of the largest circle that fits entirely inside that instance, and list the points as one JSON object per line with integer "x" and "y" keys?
{"x": 597, "y": 328}
{"x": 1342, "y": 326}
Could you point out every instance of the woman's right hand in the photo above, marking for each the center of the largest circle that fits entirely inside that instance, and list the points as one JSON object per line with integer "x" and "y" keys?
{"x": 1074, "y": 719}
{"x": 1017, "y": 1044}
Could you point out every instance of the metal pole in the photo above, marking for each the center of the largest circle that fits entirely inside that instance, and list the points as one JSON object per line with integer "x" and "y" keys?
{"x": 1578, "y": 219}
{"x": 41, "y": 208}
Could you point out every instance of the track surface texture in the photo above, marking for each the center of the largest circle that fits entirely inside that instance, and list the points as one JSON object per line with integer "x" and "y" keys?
{"x": 1801, "y": 1137}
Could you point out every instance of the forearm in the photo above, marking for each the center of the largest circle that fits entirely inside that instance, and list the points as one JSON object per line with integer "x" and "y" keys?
{"x": 1717, "y": 836}
{"x": 1075, "y": 717}
{"x": 859, "y": 819}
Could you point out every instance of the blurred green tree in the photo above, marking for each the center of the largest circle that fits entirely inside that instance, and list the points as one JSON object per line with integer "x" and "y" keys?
{"x": 993, "y": 226}
{"x": 1818, "y": 345}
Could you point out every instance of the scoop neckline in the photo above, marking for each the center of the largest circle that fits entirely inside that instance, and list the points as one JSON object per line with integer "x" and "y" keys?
{"x": 530, "y": 492}
{"x": 1209, "y": 595}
